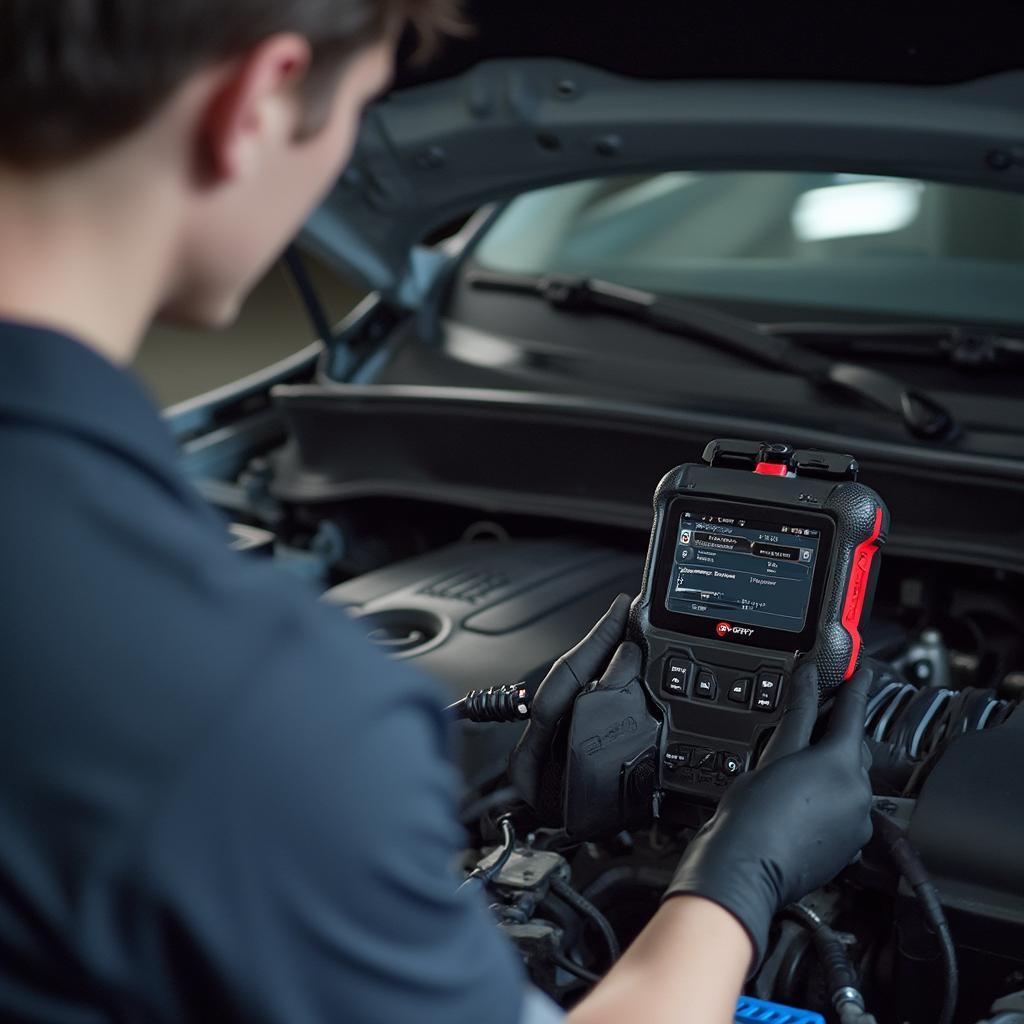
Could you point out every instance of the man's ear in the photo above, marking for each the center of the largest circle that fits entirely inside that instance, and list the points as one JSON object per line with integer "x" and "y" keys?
{"x": 254, "y": 107}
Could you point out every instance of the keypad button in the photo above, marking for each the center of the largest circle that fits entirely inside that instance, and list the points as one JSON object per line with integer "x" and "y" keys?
{"x": 706, "y": 687}
{"x": 676, "y": 681}
{"x": 678, "y": 756}
{"x": 705, "y": 759}
{"x": 739, "y": 691}
{"x": 766, "y": 691}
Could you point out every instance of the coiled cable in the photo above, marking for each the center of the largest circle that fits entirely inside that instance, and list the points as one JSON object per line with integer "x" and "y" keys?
{"x": 510, "y": 703}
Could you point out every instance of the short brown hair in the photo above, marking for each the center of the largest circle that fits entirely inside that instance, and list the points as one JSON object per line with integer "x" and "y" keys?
{"x": 76, "y": 74}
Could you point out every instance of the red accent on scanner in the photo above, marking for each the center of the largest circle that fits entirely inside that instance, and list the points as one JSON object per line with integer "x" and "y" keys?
{"x": 857, "y": 590}
{"x": 771, "y": 468}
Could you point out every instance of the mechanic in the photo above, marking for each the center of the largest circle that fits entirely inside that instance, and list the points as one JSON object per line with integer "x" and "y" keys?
{"x": 218, "y": 803}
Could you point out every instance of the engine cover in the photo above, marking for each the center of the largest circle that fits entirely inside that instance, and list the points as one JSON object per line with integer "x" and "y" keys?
{"x": 481, "y": 613}
{"x": 968, "y": 824}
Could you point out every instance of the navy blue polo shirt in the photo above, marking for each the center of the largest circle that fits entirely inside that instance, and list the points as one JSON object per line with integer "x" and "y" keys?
{"x": 217, "y": 803}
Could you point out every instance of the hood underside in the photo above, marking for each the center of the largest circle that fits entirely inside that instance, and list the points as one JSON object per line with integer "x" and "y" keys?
{"x": 466, "y": 134}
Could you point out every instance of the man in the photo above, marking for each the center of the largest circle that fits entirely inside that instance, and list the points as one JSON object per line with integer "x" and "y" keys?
{"x": 215, "y": 802}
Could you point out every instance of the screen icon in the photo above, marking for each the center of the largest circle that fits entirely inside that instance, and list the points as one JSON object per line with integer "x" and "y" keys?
{"x": 685, "y": 537}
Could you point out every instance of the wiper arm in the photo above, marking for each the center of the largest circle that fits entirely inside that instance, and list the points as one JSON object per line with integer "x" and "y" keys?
{"x": 962, "y": 345}
{"x": 922, "y": 415}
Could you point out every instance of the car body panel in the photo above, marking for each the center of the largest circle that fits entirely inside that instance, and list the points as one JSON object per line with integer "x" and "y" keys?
{"x": 434, "y": 153}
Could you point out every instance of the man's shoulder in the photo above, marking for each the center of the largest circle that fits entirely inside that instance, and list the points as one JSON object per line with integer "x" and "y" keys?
{"x": 130, "y": 576}
{"x": 136, "y": 636}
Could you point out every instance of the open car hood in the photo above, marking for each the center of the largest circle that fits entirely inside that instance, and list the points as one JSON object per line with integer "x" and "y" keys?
{"x": 435, "y": 150}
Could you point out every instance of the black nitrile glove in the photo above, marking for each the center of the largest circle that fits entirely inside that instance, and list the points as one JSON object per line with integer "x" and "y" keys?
{"x": 534, "y": 768}
{"x": 793, "y": 824}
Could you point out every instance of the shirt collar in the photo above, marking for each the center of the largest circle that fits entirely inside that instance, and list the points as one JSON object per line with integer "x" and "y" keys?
{"x": 50, "y": 379}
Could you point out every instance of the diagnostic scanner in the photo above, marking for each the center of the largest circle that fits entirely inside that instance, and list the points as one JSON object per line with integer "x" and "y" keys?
{"x": 760, "y": 556}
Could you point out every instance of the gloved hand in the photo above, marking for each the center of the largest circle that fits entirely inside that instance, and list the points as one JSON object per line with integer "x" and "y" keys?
{"x": 795, "y": 822}
{"x": 535, "y": 768}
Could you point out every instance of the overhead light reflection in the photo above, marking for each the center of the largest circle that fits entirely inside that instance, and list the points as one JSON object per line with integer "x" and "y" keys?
{"x": 864, "y": 208}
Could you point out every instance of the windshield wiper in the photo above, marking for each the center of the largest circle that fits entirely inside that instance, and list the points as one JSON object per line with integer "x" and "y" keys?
{"x": 967, "y": 347}
{"x": 922, "y": 415}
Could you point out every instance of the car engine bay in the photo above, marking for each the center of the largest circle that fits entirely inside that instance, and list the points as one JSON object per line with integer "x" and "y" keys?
{"x": 763, "y": 270}
{"x": 466, "y": 465}
{"x": 477, "y": 532}
{"x": 492, "y": 609}
{"x": 477, "y": 597}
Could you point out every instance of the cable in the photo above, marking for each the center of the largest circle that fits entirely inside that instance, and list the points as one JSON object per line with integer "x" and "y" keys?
{"x": 917, "y": 878}
{"x": 560, "y": 887}
{"x": 574, "y": 968}
{"x": 508, "y": 842}
{"x": 486, "y": 875}
{"x": 840, "y": 977}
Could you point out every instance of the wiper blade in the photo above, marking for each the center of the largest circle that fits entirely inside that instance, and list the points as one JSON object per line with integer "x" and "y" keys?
{"x": 923, "y": 416}
{"x": 964, "y": 346}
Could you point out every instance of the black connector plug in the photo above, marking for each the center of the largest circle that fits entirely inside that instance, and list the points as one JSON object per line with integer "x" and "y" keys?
{"x": 510, "y": 703}
{"x": 840, "y": 977}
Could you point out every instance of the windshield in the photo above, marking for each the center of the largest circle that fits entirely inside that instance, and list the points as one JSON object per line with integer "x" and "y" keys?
{"x": 867, "y": 245}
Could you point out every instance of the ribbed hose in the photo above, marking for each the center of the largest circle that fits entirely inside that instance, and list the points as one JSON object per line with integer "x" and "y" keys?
{"x": 561, "y": 888}
{"x": 916, "y": 721}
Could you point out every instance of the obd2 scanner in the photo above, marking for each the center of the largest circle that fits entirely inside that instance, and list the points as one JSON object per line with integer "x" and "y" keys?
{"x": 762, "y": 555}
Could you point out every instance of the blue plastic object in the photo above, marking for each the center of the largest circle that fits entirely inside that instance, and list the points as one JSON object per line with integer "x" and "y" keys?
{"x": 748, "y": 1010}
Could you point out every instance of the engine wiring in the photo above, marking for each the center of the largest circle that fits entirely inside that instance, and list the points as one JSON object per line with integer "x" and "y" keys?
{"x": 549, "y": 913}
{"x": 561, "y": 888}
{"x": 913, "y": 871}
{"x": 841, "y": 978}
{"x": 490, "y": 867}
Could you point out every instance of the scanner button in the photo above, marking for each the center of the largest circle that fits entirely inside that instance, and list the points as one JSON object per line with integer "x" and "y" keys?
{"x": 677, "y": 676}
{"x": 766, "y": 692}
{"x": 707, "y": 686}
{"x": 678, "y": 756}
{"x": 705, "y": 759}
{"x": 739, "y": 692}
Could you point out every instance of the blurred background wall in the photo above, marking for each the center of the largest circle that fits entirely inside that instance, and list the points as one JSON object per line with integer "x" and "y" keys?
{"x": 178, "y": 364}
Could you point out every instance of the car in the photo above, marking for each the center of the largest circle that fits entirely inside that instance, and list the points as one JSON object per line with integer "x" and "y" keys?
{"x": 593, "y": 246}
